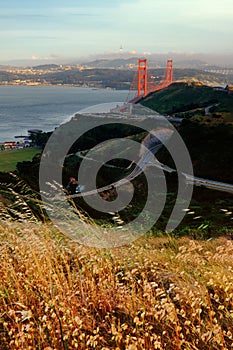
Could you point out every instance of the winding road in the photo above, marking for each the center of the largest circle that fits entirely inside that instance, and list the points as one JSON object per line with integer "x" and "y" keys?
{"x": 150, "y": 146}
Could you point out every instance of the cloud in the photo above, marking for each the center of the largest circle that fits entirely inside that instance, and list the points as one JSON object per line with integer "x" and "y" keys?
{"x": 37, "y": 58}
{"x": 79, "y": 28}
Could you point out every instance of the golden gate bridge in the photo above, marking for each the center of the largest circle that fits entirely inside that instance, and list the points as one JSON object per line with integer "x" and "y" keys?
{"x": 143, "y": 82}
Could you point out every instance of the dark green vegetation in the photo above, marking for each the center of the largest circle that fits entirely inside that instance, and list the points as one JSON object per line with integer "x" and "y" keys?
{"x": 210, "y": 148}
{"x": 190, "y": 97}
{"x": 208, "y": 135}
{"x": 207, "y": 127}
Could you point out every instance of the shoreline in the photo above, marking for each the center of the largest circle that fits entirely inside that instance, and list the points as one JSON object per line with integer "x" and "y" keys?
{"x": 63, "y": 85}
{"x": 46, "y": 106}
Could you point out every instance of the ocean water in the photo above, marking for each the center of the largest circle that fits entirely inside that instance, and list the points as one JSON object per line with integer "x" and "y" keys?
{"x": 45, "y": 107}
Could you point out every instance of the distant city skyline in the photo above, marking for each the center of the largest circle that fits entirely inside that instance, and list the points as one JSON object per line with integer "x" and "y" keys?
{"x": 61, "y": 31}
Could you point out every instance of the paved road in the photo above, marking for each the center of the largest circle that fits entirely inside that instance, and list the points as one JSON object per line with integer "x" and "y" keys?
{"x": 214, "y": 185}
{"x": 150, "y": 146}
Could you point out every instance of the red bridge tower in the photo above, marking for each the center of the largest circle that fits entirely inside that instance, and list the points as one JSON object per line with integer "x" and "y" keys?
{"x": 145, "y": 84}
{"x": 169, "y": 73}
{"x": 142, "y": 77}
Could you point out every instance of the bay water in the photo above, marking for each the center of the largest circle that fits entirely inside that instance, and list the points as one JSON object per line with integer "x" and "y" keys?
{"x": 45, "y": 107}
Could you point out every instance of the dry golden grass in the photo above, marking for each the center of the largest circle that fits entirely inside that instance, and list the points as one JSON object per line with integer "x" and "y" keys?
{"x": 159, "y": 293}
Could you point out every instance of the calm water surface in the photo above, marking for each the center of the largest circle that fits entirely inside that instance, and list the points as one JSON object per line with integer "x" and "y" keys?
{"x": 46, "y": 107}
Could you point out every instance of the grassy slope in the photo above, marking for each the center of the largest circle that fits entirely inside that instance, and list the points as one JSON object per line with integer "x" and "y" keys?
{"x": 9, "y": 159}
{"x": 182, "y": 96}
{"x": 159, "y": 293}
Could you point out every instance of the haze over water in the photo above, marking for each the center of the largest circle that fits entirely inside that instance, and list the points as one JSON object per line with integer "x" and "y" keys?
{"x": 46, "y": 107}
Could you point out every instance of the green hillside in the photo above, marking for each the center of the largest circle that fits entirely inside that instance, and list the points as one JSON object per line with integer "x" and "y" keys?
{"x": 9, "y": 159}
{"x": 183, "y": 97}
{"x": 207, "y": 127}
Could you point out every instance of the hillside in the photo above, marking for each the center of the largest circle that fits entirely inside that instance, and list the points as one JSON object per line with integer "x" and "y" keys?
{"x": 184, "y": 97}
{"x": 158, "y": 293}
{"x": 207, "y": 127}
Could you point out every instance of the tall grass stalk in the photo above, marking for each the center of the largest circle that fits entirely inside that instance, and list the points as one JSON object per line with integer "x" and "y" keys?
{"x": 158, "y": 293}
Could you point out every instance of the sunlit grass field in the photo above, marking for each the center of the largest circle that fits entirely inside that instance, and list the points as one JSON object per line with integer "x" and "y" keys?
{"x": 9, "y": 159}
{"x": 158, "y": 293}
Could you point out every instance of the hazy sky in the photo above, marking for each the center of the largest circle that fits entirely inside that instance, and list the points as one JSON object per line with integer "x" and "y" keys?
{"x": 59, "y": 29}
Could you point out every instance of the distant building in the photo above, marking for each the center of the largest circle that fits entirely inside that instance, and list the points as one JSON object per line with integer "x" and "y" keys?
{"x": 9, "y": 145}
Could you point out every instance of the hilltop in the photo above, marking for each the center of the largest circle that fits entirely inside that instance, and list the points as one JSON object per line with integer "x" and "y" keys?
{"x": 192, "y": 97}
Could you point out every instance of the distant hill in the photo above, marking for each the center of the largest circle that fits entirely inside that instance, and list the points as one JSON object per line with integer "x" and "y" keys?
{"x": 125, "y": 63}
{"x": 118, "y": 63}
{"x": 5, "y": 67}
{"x": 46, "y": 66}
